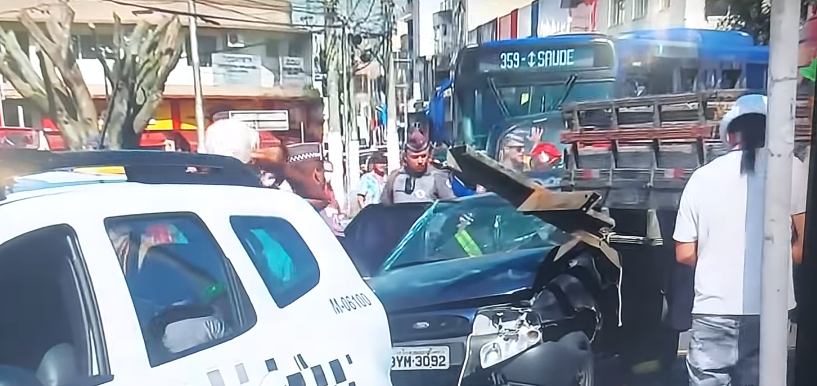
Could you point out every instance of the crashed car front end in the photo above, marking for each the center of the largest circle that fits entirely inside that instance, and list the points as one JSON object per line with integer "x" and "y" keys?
{"x": 536, "y": 334}
{"x": 537, "y": 327}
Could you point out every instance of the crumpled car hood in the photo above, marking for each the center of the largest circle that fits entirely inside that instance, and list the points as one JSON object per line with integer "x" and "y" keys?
{"x": 458, "y": 280}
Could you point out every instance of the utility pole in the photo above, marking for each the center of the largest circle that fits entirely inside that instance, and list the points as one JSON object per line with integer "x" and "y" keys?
{"x": 194, "y": 57}
{"x": 777, "y": 157}
{"x": 332, "y": 52}
{"x": 351, "y": 133}
{"x": 392, "y": 139}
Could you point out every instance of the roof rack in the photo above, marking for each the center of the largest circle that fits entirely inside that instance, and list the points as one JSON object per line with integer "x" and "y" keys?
{"x": 143, "y": 166}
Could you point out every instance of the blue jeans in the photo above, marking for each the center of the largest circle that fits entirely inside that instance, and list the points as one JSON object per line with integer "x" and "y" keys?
{"x": 724, "y": 350}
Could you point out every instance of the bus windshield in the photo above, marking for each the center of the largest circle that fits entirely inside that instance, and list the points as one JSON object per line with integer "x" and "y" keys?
{"x": 500, "y": 85}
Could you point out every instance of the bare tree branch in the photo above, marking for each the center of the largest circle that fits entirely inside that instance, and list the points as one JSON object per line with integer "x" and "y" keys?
{"x": 140, "y": 67}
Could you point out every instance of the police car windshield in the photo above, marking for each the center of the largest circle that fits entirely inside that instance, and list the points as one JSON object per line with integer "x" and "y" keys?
{"x": 472, "y": 227}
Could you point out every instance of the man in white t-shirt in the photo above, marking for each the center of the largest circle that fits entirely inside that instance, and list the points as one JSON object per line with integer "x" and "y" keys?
{"x": 719, "y": 231}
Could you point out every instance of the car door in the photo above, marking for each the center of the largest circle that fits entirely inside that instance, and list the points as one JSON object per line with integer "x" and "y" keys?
{"x": 51, "y": 327}
{"x": 198, "y": 303}
{"x": 336, "y": 325}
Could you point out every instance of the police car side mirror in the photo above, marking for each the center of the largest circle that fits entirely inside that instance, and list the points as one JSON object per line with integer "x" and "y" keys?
{"x": 13, "y": 376}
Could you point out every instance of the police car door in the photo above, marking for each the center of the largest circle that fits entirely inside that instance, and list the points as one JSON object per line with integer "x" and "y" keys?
{"x": 54, "y": 335}
{"x": 334, "y": 328}
{"x": 272, "y": 321}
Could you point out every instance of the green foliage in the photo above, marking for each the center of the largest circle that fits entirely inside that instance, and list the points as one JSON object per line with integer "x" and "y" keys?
{"x": 810, "y": 72}
{"x": 753, "y": 17}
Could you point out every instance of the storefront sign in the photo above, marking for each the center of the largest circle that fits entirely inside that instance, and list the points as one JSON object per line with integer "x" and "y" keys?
{"x": 263, "y": 120}
{"x": 236, "y": 69}
{"x": 293, "y": 71}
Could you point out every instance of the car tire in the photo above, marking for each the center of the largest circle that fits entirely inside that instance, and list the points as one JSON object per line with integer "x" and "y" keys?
{"x": 587, "y": 375}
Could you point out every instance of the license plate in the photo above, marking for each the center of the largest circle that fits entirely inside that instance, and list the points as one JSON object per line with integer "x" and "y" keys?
{"x": 420, "y": 358}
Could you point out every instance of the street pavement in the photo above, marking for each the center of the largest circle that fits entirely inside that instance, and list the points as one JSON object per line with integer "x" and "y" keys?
{"x": 677, "y": 376}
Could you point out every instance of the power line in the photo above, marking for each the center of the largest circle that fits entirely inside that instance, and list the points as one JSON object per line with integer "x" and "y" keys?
{"x": 212, "y": 19}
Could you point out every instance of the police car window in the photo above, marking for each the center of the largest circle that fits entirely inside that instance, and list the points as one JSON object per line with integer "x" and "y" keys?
{"x": 184, "y": 290}
{"x": 49, "y": 327}
{"x": 280, "y": 255}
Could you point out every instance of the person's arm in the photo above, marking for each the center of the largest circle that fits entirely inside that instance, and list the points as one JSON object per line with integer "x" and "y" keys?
{"x": 686, "y": 227}
{"x": 363, "y": 191}
{"x": 442, "y": 186}
{"x": 387, "y": 196}
{"x": 798, "y": 229}
{"x": 798, "y": 208}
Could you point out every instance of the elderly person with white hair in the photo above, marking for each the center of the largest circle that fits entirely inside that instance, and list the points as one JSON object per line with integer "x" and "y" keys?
{"x": 232, "y": 138}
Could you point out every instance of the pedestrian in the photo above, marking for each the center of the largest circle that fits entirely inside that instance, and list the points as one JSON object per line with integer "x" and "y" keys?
{"x": 331, "y": 213}
{"x": 417, "y": 181}
{"x": 719, "y": 232}
{"x": 372, "y": 183}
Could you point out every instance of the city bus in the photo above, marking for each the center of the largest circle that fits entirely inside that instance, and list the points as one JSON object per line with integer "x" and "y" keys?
{"x": 503, "y": 88}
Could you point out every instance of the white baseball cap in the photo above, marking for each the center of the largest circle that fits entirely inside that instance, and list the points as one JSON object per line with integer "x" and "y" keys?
{"x": 747, "y": 104}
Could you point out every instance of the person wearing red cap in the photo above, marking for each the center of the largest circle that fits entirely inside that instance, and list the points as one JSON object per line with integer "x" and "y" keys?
{"x": 545, "y": 156}
{"x": 416, "y": 181}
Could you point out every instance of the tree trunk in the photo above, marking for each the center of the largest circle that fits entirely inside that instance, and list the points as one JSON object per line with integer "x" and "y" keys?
{"x": 58, "y": 90}
{"x": 138, "y": 76}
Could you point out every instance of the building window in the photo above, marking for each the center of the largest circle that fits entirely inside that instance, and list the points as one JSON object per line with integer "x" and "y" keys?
{"x": 716, "y": 8}
{"x": 281, "y": 256}
{"x": 208, "y": 45}
{"x": 272, "y": 48}
{"x": 185, "y": 292}
{"x": 640, "y": 9}
{"x": 664, "y": 4}
{"x": 293, "y": 49}
{"x": 22, "y": 40}
{"x": 85, "y": 47}
{"x": 361, "y": 84}
{"x": 410, "y": 33}
{"x": 617, "y": 8}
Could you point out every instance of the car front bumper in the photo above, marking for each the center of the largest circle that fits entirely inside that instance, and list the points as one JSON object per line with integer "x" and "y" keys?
{"x": 447, "y": 377}
{"x": 547, "y": 364}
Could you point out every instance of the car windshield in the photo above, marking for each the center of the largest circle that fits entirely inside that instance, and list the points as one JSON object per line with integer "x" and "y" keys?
{"x": 472, "y": 227}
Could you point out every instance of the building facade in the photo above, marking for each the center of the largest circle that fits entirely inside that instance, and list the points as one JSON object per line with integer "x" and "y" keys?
{"x": 617, "y": 16}
{"x": 261, "y": 64}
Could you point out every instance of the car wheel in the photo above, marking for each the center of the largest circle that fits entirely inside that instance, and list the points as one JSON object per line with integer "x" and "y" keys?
{"x": 587, "y": 375}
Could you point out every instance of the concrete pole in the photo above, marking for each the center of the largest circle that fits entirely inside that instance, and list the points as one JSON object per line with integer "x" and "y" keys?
{"x": 194, "y": 58}
{"x": 777, "y": 155}
{"x": 392, "y": 139}
{"x": 351, "y": 134}
{"x": 334, "y": 140}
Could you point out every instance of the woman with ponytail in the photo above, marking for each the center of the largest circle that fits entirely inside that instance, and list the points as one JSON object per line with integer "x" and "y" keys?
{"x": 719, "y": 232}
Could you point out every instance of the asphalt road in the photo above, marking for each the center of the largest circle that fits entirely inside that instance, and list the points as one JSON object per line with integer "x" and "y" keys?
{"x": 677, "y": 376}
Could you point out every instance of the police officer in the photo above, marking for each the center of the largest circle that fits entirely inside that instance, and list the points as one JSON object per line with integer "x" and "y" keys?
{"x": 417, "y": 180}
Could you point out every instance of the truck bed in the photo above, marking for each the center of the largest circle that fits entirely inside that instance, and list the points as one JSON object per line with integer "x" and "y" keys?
{"x": 639, "y": 152}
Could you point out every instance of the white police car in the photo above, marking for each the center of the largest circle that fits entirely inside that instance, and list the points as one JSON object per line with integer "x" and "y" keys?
{"x": 166, "y": 277}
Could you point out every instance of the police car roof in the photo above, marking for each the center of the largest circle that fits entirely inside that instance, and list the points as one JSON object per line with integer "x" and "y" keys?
{"x": 27, "y": 170}
{"x": 79, "y": 202}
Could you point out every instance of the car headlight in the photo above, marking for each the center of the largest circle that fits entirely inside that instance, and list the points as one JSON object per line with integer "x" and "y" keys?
{"x": 508, "y": 344}
{"x": 499, "y": 334}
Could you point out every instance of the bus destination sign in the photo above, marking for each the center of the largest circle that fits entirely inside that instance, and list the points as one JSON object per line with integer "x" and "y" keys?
{"x": 538, "y": 59}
